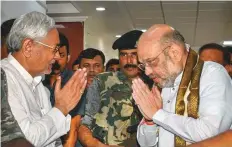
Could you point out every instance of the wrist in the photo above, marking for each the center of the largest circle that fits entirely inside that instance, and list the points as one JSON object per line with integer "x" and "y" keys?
{"x": 63, "y": 110}
{"x": 148, "y": 122}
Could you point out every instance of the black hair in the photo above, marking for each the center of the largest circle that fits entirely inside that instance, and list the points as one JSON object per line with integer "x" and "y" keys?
{"x": 76, "y": 62}
{"x": 90, "y": 53}
{"x": 5, "y": 29}
{"x": 111, "y": 62}
{"x": 64, "y": 41}
{"x": 229, "y": 49}
{"x": 216, "y": 47}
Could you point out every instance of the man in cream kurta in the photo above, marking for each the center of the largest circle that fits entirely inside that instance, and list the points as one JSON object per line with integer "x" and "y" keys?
{"x": 215, "y": 111}
{"x": 164, "y": 56}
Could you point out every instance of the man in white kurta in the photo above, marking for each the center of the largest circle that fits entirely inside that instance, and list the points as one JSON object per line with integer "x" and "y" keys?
{"x": 33, "y": 41}
{"x": 214, "y": 111}
{"x": 30, "y": 104}
{"x": 163, "y": 54}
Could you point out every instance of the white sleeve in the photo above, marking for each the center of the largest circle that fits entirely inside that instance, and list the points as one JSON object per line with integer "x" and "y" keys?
{"x": 46, "y": 129}
{"x": 147, "y": 135}
{"x": 40, "y": 131}
{"x": 214, "y": 110}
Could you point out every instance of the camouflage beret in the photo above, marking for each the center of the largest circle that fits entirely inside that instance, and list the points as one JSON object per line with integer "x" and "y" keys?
{"x": 128, "y": 40}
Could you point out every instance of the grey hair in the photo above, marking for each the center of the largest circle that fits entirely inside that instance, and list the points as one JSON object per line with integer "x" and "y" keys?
{"x": 34, "y": 25}
{"x": 173, "y": 36}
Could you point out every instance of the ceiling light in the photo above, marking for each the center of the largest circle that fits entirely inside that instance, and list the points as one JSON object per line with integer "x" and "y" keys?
{"x": 118, "y": 36}
{"x": 227, "y": 43}
{"x": 100, "y": 9}
{"x": 144, "y": 30}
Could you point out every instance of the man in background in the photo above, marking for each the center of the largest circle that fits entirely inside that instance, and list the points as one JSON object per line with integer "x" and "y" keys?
{"x": 59, "y": 68}
{"x": 113, "y": 65}
{"x": 75, "y": 64}
{"x": 5, "y": 29}
{"x": 216, "y": 53}
{"x": 109, "y": 109}
{"x": 229, "y": 65}
{"x": 93, "y": 60}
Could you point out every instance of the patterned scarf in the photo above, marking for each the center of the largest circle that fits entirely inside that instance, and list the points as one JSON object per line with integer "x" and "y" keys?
{"x": 187, "y": 102}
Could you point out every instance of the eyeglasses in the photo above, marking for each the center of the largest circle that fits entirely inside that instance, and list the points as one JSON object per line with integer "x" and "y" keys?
{"x": 55, "y": 49}
{"x": 149, "y": 63}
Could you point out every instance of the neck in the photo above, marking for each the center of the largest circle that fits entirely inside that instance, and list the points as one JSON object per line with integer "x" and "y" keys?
{"x": 23, "y": 62}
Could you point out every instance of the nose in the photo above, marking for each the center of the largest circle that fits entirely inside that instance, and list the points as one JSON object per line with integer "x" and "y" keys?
{"x": 91, "y": 68}
{"x": 129, "y": 58}
{"x": 148, "y": 70}
{"x": 57, "y": 55}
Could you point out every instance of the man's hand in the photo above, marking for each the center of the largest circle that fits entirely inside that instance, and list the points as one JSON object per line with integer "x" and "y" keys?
{"x": 68, "y": 97}
{"x": 149, "y": 102}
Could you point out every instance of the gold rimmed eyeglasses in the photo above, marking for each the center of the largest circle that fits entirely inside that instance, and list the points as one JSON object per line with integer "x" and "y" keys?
{"x": 142, "y": 66}
{"x": 55, "y": 49}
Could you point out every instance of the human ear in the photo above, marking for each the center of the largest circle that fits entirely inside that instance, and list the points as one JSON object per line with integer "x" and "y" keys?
{"x": 27, "y": 46}
{"x": 175, "y": 53}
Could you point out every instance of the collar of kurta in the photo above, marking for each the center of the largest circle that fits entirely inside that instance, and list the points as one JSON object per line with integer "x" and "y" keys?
{"x": 29, "y": 79}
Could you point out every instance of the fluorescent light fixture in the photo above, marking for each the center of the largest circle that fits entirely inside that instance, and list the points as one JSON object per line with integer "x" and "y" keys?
{"x": 59, "y": 26}
{"x": 118, "y": 36}
{"x": 144, "y": 30}
{"x": 100, "y": 9}
{"x": 227, "y": 43}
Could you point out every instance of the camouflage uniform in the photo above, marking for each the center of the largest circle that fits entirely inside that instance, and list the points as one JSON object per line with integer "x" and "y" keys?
{"x": 9, "y": 127}
{"x": 109, "y": 106}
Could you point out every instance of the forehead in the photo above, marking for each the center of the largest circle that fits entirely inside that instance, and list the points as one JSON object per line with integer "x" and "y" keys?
{"x": 52, "y": 37}
{"x": 212, "y": 53}
{"x": 148, "y": 50}
{"x": 63, "y": 49}
{"x": 96, "y": 59}
{"x": 128, "y": 51}
{"x": 114, "y": 66}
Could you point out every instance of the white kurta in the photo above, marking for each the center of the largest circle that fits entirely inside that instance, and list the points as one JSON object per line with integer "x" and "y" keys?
{"x": 215, "y": 111}
{"x": 30, "y": 104}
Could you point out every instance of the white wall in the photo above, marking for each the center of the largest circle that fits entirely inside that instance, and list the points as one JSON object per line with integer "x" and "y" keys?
{"x": 13, "y": 9}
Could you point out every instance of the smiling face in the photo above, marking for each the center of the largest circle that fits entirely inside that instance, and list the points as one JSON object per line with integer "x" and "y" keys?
{"x": 40, "y": 55}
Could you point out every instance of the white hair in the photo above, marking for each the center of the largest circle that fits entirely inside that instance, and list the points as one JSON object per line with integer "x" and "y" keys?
{"x": 32, "y": 25}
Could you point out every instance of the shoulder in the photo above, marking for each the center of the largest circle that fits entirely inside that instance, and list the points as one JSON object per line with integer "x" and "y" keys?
{"x": 9, "y": 126}
{"x": 105, "y": 75}
{"x": 214, "y": 77}
{"x": 214, "y": 71}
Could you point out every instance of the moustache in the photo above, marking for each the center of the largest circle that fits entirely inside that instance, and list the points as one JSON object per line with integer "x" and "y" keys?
{"x": 130, "y": 66}
{"x": 55, "y": 66}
